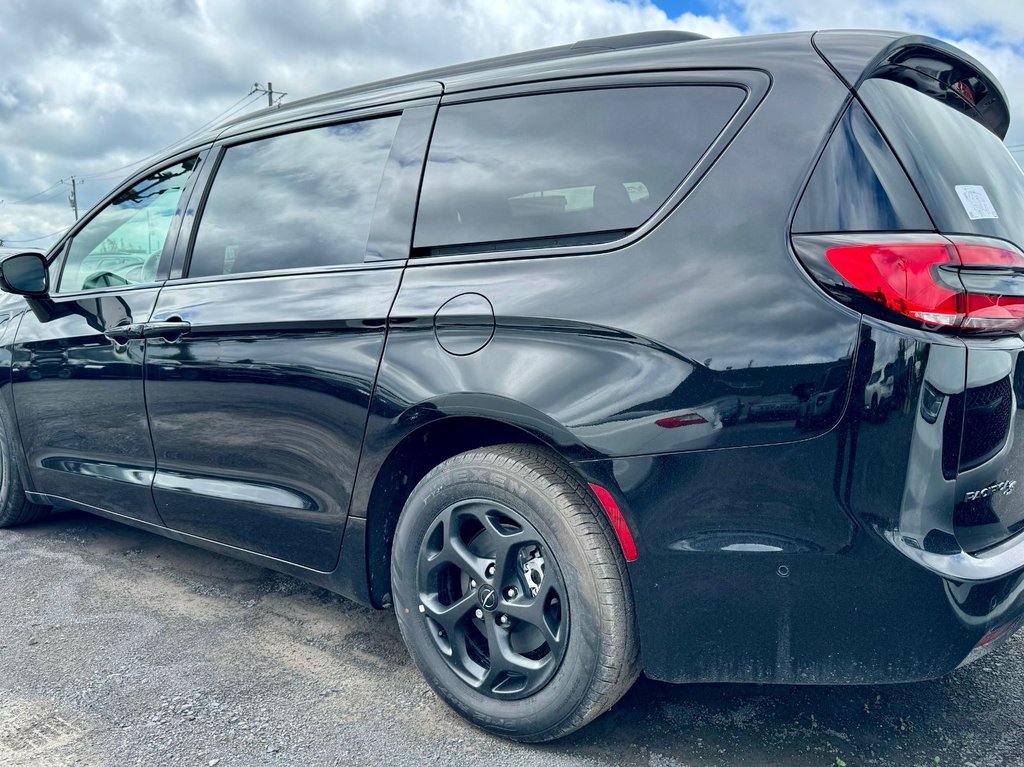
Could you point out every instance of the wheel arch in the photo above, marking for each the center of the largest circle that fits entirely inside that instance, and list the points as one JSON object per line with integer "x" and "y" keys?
{"x": 454, "y": 426}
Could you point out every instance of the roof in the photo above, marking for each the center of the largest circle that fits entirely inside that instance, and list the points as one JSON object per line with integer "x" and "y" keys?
{"x": 848, "y": 51}
{"x": 619, "y": 53}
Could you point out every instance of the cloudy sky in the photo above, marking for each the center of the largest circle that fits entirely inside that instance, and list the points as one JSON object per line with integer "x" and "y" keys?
{"x": 88, "y": 89}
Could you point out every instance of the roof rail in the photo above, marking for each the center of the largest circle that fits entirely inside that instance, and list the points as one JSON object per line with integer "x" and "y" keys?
{"x": 580, "y": 48}
{"x": 638, "y": 40}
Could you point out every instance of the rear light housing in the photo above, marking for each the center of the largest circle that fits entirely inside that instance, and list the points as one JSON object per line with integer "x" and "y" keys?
{"x": 955, "y": 285}
{"x": 686, "y": 419}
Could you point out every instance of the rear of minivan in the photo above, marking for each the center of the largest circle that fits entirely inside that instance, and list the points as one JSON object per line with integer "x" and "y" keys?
{"x": 914, "y": 216}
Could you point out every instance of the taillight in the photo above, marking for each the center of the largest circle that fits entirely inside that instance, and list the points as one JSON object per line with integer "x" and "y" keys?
{"x": 963, "y": 284}
{"x": 687, "y": 419}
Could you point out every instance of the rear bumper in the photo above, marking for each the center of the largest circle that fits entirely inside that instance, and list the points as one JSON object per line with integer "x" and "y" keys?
{"x": 753, "y": 568}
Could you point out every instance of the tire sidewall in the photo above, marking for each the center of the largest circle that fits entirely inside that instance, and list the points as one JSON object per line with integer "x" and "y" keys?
{"x": 569, "y": 686}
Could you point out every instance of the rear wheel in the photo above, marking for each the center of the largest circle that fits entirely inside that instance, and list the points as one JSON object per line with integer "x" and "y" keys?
{"x": 15, "y": 508}
{"x": 511, "y": 594}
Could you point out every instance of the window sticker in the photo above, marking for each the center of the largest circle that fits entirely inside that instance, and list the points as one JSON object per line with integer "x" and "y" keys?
{"x": 975, "y": 200}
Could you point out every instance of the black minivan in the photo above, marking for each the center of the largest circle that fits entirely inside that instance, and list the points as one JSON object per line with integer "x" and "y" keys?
{"x": 652, "y": 352}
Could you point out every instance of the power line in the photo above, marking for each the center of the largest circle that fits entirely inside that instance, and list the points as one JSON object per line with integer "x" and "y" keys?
{"x": 269, "y": 91}
{"x": 31, "y": 196}
{"x": 238, "y": 105}
{"x": 35, "y": 239}
{"x": 249, "y": 98}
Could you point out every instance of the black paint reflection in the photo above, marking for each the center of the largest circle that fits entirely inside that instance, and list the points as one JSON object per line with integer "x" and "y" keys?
{"x": 259, "y": 410}
{"x": 80, "y": 400}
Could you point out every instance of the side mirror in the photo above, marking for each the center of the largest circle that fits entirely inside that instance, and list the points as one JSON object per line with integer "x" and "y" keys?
{"x": 25, "y": 274}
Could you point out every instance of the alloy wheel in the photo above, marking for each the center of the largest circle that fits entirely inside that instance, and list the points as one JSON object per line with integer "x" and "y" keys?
{"x": 493, "y": 597}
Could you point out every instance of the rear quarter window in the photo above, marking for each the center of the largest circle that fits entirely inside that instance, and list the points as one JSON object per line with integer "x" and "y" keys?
{"x": 858, "y": 185}
{"x": 563, "y": 168}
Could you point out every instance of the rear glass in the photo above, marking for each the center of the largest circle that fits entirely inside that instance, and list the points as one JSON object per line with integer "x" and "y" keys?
{"x": 556, "y": 164}
{"x": 967, "y": 178}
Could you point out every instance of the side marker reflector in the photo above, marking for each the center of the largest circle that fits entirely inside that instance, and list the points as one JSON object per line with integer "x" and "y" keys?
{"x": 611, "y": 508}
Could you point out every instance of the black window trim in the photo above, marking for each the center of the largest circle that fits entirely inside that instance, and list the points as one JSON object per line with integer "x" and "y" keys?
{"x": 182, "y": 258}
{"x": 755, "y": 82}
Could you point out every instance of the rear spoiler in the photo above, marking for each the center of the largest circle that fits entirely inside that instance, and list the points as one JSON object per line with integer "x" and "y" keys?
{"x": 928, "y": 65}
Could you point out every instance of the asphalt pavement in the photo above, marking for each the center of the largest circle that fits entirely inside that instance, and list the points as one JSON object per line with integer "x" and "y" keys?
{"x": 118, "y": 647}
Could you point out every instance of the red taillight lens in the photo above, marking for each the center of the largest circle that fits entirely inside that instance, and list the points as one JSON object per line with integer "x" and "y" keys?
{"x": 687, "y": 419}
{"x": 992, "y": 283}
{"x": 970, "y": 285}
{"x": 902, "y": 277}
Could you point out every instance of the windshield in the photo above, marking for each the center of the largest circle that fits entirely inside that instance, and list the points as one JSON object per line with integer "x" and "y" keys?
{"x": 967, "y": 178}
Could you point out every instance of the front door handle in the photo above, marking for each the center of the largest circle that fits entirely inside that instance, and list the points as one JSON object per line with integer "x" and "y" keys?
{"x": 170, "y": 329}
{"x": 124, "y": 332}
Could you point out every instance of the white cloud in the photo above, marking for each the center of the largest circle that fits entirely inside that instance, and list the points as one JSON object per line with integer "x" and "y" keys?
{"x": 991, "y": 31}
{"x": 1002, "y": 20}
{"x": 88, "y": 87}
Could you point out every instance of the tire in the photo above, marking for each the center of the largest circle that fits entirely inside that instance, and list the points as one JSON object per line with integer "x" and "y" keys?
{"x": 514, "y": 516}
{"x": 15, "y": 507}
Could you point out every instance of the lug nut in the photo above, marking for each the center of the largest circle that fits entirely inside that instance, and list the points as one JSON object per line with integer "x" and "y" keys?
{"x": 479, "y": 613}
{"x": 503, "y": 620}
{"x": 472, "y": 584}
{"x": 490, "y": 570}
{"x": 511, "y": 593}
{"x": 423, "y": 609}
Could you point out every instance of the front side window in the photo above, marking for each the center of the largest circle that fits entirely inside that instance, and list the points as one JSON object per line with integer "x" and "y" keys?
{"x": 551, "y": 166}
{"x": 122, "y": 244}
{"x": 299, "y": 200}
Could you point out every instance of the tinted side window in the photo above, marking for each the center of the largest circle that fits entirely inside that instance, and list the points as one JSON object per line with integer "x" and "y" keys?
{"x": 858, "y": 185}
{"x": 122, "y": 244}
{"x": 299, "y": 200}
{"x": 556, "y": 164}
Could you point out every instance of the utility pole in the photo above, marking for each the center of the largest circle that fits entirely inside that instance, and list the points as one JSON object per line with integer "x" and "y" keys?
{"x": 269, "y": 90}
{"x": 73, "y": 197}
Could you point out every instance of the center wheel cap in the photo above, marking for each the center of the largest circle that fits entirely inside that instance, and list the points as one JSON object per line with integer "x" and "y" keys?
{"x": 488, "y": 597}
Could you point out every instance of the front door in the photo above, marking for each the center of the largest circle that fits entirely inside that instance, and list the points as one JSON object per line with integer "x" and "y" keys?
{"x": 77, "y": 365}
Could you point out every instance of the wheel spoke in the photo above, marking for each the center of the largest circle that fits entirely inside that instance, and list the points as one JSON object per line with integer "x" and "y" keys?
{"x": 456, "y": 553}
{"x": 506, "y": 546}
{"x": 532, "y": 611}
{"x": 502, "y": 657}
{"x": 449, "y": 616}
{"x": 453, "y": 551}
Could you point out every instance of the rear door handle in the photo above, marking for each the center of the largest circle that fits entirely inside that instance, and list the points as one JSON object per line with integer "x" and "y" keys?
{"x": 170, "y": 329}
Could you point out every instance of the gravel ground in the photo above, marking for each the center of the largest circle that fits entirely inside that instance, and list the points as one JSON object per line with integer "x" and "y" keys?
{"x": 118, "y": 647}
